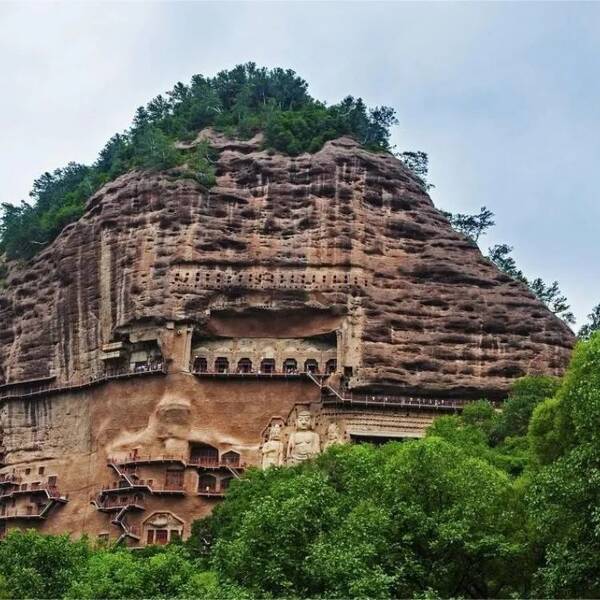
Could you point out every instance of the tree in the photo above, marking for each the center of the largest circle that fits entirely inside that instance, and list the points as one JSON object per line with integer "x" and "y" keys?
{"x": 565, "y": 493}
{"x": 367, "y": 522}
{"x": 153, "y": 150}
{"x": 526, "y": 393}
{"x": 500, "y": 256}
{"x": 588, "y": 329}
{"x": 472, "y": 226}
{"x": 40, "y": 566}
{"x": 549, "y": 294}
{"x": 418, "y": 163}
{"x": 553, "y": 298}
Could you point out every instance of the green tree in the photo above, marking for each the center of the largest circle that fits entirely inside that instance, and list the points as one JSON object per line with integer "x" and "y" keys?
{"x": 588, "y": 329}
{"x": 500, "y": 256}
{"x": 40, "y": 566}
{"x": 565, "y": 493}
{"x": 526, "y": 393}
{"x": 472, "y": 226}
{"x": 368, "y": 522}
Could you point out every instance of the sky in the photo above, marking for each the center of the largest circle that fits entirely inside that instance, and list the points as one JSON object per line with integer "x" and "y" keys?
{"x": 504, "y": 97}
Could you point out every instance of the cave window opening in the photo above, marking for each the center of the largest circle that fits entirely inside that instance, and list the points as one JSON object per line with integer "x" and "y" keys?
{"x": 348, "y": 371}
{"x": 244, "y": 365}
{"x": 222, "y": 365}
{"x": 161, "y": 536}
{"x": 231, "y": 459}
{"x": 207, "y": 483}
{"x": 267, "y": 365}
{"x": 204, "y": 455}
{"x": 200, "y": 364}
{"x": 331, "y": 366}
{"x": 290, "y": 365}
{"x": 225, "y": 483}
{"x": 174, "y": 479}
{"x": 146, "y": 356}
{"x": 311, "y": 366}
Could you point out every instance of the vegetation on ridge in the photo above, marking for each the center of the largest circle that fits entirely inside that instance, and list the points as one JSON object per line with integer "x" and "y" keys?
{"x": 489, "y": 505}
{"x": 240, "y": 102}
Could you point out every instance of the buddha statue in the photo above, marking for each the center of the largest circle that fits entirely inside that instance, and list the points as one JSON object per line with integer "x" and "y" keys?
{"x": 333, "y": 436}
{"x": 272, "y": 450}
{"x": 303, "y": 443}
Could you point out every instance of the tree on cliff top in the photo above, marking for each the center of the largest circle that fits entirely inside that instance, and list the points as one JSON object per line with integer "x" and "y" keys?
{"x": 241, "y": 102}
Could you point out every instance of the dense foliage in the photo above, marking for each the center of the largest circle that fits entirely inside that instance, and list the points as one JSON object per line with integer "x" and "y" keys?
{"x": 490, "y": 504}
{"x": 242, "y": 101}
{"x": 592, "y": 325}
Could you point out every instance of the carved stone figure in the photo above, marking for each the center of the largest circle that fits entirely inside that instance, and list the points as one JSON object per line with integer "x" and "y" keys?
{"x": 168, "y": 431}
{"x": 304, "y": 443}
{"x": 272, "y": 450}
{"x": 334, "y": 436}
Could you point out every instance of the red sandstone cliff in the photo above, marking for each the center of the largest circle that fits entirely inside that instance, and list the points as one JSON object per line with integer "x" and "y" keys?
{"x": 302, "y": 241}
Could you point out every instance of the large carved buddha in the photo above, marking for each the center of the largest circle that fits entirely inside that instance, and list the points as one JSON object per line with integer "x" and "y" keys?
{"x": 303, "y": 443}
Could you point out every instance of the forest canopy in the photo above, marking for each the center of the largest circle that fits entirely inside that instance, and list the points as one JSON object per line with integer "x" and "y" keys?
{"x": 241, "y": 102}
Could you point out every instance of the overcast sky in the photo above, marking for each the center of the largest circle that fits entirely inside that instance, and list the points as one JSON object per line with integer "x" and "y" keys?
{"x": 505, "y": 97}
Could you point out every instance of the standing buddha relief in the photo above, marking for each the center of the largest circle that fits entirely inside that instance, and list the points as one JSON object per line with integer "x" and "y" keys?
{"x": 304, "y": 443}
{"x": 299, "y": 440}
{"x": 272, "y": 449}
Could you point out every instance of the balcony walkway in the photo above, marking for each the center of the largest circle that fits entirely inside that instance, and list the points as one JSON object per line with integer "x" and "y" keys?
{"x": 31, "y": 390}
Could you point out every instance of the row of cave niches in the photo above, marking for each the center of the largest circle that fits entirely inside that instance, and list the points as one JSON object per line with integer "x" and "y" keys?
{"x": 203, "y": 472}
{"x": 267, "y": 366}
{"x": 206, "y": 278}
{"x": 28, "y": 495}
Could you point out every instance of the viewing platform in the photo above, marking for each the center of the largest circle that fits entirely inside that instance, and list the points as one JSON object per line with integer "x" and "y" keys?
{"x": 203, "y": 462}
{"x": 249, "y": 374}
{"x": 114, "y": 505}
{"x": 404, "y": 402}
{"x": 142, "y": 485}
{"x": 30, "y": 389}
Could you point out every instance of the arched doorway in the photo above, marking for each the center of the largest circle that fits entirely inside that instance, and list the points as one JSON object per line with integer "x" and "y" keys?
{"x": 221, "y": 365}
{"x": 203, "y": 455}
{"x": 200, "y": 365}
{"x": 244, "y": 365}
{"x": 231, "y": 459}
{"x": 290, "y": 365}
{"x": 311, "y": 366}
{"x": 267, "y": 365}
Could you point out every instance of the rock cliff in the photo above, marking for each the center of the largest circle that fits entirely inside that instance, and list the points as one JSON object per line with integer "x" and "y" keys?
{"x": 340, "y": 236}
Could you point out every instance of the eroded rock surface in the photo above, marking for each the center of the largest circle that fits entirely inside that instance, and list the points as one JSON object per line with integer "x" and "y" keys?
{"x": 340, "y": 232}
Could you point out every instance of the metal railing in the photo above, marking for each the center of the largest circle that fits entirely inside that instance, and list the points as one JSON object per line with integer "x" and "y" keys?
{"x": 444, "y": 404}
{"x": 198, "y": 461}
{"x": 30, "y": 390}
{"x": 252, "y": 373}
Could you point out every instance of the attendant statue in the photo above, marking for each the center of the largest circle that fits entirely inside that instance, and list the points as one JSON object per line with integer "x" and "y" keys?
{"x": 272, "y": 450}
{"x": 303, "y": 443}
{"x": 333, "y": 436}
